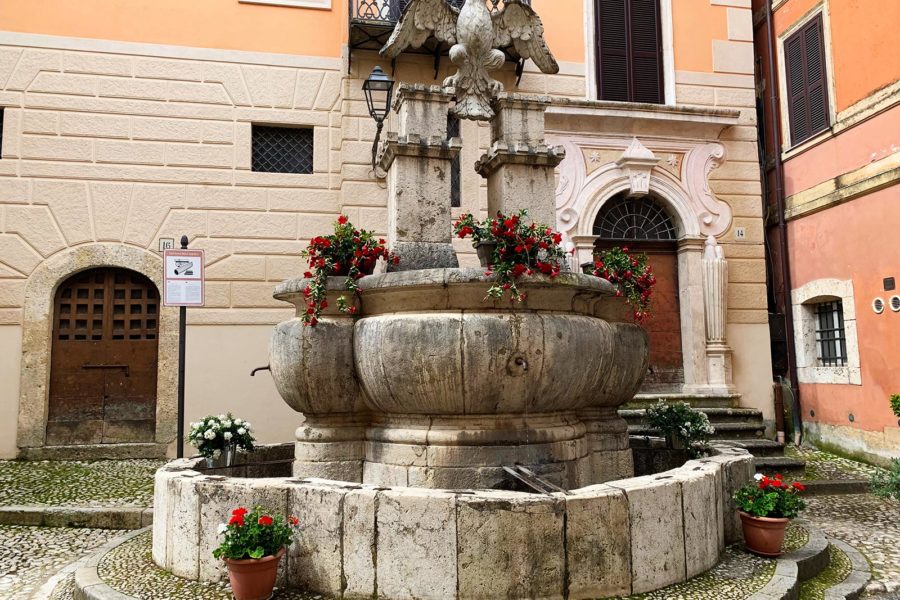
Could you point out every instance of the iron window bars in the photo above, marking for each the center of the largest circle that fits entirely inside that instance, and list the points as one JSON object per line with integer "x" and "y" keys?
{"x": 453, "y": 130}
{"x": 1, "y": 132}
{"x": 625, "y": 218}
{"x": 831, "y": 340}
{"x": 282, "y": 150}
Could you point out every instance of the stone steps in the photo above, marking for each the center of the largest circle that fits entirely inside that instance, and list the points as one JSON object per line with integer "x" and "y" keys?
{"x": 783, "y": 465}
{"x": 724, "y": 431}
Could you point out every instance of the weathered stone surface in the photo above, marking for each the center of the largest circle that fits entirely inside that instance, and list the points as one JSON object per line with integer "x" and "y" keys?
{"x": 598, "y": 545}
{"x": 657, "y": 531}
{"x": 359, "y": 547}
{"x": 519, "y": 535}
{"x": 702, "y": 517}
{"x": 417, "y": 551}
{"x": 315, "y": 559}
{"x": 183, "y": 526}
{"x": 424, "y": 255}
{"x": 218, "y": 499}
{"x": 737, "y": 469}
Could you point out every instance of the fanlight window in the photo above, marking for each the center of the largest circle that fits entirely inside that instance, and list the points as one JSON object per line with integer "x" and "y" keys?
{"x": 624, "y": 218}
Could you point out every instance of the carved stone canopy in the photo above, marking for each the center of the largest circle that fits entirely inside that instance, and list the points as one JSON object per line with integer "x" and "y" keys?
{"x": 637, "y": 161}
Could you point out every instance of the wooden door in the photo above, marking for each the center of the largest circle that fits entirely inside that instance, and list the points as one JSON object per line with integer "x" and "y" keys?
{"x": 103, "y": 365}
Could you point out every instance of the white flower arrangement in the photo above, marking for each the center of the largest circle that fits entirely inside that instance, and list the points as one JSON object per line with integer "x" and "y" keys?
{"x": 679, "y": 420}
{"x": 212, "y": 434}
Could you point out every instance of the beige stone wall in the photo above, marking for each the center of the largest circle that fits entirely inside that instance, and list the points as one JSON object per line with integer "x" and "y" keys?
{"x": 10, "y": 353}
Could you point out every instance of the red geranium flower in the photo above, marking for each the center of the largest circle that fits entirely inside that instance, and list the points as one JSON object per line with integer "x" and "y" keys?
{"x": 265, "y": 520}
{"x": 342, "y": 220}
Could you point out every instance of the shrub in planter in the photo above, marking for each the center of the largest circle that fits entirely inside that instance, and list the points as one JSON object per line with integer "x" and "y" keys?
{"x": 214, "y": 436}
{"x": 766, "y": 506}
{"x": 682, "y": 426}
{"x": 886, "y": 483}
{"x": 254, "y": 544}
{"x": 349, "y": 252}
{"x": 895, "y": 404}
{"x": 509, "y": 248}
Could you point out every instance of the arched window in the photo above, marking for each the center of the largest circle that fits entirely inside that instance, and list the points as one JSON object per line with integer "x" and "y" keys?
{"x": 623, "y": 218}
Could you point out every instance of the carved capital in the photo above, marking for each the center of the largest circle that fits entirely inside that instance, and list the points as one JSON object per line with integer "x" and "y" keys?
{"x": 501, "y": 154}
{"x": 416, "y": 146}
{"x": 637, "y": 161}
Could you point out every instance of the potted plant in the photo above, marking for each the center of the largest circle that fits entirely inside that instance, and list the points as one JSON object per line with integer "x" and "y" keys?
{"x": 254, "y": 544}
{"x": 350, "y": 253}
{"x": 509, "y": 247}
{"x": 631, "y": 274}
{"x": 766, "y": 505}
{"x": 223, "y": 435}
{"x": 683, "y": 427}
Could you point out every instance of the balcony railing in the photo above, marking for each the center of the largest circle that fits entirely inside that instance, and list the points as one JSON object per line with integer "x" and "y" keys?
{"x": 371, "y": 23}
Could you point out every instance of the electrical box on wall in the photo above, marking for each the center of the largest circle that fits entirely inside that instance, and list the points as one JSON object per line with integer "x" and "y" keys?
{"x": 889, "y": 284}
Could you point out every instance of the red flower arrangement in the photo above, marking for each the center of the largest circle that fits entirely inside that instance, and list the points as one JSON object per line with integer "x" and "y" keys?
{"x": 349, "y": 252}
{"x": 770, "y": 497}
{"x": 518, "y": 249}
{"x": 631, "y": 274}
{"x": 254, "y": 534}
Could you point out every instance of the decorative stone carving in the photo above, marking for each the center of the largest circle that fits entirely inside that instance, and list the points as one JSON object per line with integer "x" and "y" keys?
{"x": 475, "y": 35}
{"x": 715, "y": 215}
{"x": 715, "y": 293}
{"x": 638, "y": 161}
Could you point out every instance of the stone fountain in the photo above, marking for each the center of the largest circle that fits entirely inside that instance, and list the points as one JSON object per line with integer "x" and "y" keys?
{"x": 417, "y": 410}
{"x": 435, "y": 386}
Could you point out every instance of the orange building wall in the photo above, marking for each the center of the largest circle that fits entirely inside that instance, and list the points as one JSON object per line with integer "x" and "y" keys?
{"x": 695, "y": 24}
{"x": 863, "y": 48}
{"x": 828, "y": 244}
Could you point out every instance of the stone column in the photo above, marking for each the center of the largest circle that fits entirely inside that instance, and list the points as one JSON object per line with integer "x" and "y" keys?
{"x": 715, "y": 294}
{"x": 693, "y": 330}
{"x": 520, "y": 166}
{"x": 417, "y": 159}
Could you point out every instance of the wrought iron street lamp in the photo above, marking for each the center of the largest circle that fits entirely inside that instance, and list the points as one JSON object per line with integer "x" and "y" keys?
{"x": 379, "y": 88}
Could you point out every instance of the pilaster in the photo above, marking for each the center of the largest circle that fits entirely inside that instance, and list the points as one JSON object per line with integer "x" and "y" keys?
{"x": 715, "y": 294}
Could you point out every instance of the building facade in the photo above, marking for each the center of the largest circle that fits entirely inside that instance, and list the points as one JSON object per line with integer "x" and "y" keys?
{"x": 243, "y": 125}
{"x": 832, "y": 120}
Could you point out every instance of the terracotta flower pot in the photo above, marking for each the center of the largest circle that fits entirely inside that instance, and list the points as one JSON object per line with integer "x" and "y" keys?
{"x": 763, "y": 535}
{"x": 253, "y": 579}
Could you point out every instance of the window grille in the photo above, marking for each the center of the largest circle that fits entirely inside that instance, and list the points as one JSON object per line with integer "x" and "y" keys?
{"x": 282, "y": 150}
{"x": 831, "y": 340}
{"x": 453, "y": 130}
{"x": 1, "y": 132}
{"x": 624, "y": 218}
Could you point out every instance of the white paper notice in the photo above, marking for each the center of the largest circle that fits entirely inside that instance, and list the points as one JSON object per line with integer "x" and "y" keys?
{"x": 184, "y": 284}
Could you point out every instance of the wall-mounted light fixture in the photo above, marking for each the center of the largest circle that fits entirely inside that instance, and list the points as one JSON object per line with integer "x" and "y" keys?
{"x": 379, "y": 89}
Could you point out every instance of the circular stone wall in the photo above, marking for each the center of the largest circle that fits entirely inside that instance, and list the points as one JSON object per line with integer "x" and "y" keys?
{"x": 624, "y": 537}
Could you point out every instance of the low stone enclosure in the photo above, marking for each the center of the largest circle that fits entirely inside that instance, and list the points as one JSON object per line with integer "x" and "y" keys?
{"x": 362, "y": 541}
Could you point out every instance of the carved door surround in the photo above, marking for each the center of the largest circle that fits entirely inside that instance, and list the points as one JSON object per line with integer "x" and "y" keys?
{"x": 676, "y": 172}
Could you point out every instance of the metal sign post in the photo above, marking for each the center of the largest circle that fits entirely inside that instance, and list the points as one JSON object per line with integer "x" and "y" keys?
{"x": 184, "y": 286}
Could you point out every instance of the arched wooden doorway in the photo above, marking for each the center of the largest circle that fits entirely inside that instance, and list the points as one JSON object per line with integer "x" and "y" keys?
{"x": 103, "y": 361}
{"x": 643, "y": 225}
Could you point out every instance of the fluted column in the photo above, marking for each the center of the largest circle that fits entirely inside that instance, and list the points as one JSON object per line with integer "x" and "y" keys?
{"x": 715, "y": 294}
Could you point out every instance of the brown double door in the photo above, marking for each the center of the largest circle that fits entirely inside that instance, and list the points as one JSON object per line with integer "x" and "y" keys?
{"x": 666, "y": 372}
{"x": 103, "y": 366}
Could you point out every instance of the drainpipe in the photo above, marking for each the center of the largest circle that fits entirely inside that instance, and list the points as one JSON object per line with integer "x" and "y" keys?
{"x": 782, "y": 224}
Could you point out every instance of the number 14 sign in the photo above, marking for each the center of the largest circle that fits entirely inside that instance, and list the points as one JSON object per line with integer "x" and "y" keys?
{"x": 184, "y": 278}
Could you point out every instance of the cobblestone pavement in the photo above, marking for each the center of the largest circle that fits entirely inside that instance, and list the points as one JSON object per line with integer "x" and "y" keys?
{"x": 130, "y": 570}
{"x": 824, "y": 465}
{"x": 78, "y": 483}
{"x": 30, "y": 555}
{"x": 869, "y": 524}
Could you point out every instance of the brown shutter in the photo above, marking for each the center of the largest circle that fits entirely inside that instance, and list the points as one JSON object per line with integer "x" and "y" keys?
{"x": 629, "y": 50}
{"x": 646, "y": 52}
{"x": 612, "y": 50}
{"x": 806, "y": 82}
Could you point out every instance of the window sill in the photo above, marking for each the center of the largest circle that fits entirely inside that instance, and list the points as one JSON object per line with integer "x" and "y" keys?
{"x": 318, "y": 4}
{"x": 792, "y": 151}
{"x": 830, "y": 375}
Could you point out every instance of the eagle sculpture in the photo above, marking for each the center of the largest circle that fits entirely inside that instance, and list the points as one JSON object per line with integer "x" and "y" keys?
{"x": 475, "y": 35}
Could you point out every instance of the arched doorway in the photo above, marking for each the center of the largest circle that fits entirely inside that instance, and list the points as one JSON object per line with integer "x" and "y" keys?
{"x": 643, "y": 225}
{"x": 103, "y": 361}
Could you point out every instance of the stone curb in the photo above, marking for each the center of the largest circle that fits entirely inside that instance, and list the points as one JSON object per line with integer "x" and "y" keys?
{"x": 836, "y": 486}
{"x": 855, "y": 583}
{"x": 108, "y": 517}
{"x": 88, "y": 585}
{"x": 796, "y": 567}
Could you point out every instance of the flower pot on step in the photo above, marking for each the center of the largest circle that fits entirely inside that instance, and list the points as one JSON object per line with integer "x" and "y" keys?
{"x": 253, "y": 579}
{"x": 763, "y": 535}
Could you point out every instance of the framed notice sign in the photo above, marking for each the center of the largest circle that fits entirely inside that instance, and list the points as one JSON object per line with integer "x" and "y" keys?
{"x": 184, "y": 278}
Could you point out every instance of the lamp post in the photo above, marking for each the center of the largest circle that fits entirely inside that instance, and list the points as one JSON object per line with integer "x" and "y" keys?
{"x": 379, "y": 88}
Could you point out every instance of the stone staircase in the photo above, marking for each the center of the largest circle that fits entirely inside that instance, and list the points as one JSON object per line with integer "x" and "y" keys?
{"x": 743, "y": 427}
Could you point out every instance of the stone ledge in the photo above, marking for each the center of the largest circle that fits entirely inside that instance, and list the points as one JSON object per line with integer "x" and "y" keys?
{"x": 437, "y": 532}
{"x": 116, "y": 517}
{"x": 855, "y": 583}
{"x": 93, "y": 452}
{"x": 501, "y": 154}
{"x": 796, "y": 567}
{"x": 88, "y": 585}
{"x": 417, "y": 147}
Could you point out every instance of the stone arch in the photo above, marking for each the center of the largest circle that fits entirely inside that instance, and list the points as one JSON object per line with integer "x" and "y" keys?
{"x": 36, "y": 341}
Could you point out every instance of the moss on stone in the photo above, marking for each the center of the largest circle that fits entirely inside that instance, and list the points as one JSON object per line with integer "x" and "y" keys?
{"x": 838, "y": 569}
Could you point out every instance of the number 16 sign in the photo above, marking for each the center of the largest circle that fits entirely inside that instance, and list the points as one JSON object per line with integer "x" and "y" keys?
{"x": 184, "y": 280}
